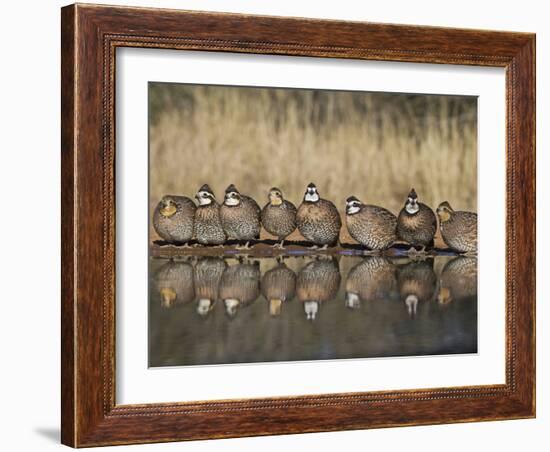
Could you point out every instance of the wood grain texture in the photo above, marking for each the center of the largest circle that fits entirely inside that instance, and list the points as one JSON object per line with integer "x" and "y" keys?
{"x": 90, "y": 36}
{"x": 68, "y": 244}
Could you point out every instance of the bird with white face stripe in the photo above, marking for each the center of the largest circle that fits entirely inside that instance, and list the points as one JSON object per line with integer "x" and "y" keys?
{"x": 371, "y": 226}
{"x": 318, "y": 219}
{"x": 240, "y": 216}
{"x": 416, "y": 223}
{"x": 208, "y": 224}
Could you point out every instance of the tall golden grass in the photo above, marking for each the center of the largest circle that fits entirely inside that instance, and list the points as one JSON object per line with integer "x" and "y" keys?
{"x": 375, "y": 146}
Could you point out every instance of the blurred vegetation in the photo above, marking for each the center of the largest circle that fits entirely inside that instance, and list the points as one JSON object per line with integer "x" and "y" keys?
{"x": 375, "y": 146}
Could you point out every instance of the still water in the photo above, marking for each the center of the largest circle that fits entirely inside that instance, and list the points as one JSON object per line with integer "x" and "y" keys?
{"x": 213, "y": 310}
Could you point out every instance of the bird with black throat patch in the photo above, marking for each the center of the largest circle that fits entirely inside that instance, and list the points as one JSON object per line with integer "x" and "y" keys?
{"x": 416, "y": 223}
{"x": 240, "y": 216}
{"x": 208, "y": 224}
{"x": 318, "y": 219}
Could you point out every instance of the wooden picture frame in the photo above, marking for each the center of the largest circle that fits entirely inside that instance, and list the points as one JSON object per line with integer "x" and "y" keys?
{"x": 90, "y": 36}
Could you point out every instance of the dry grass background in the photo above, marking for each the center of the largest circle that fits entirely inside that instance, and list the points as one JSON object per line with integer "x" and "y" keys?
{"x": 375, "y": 146}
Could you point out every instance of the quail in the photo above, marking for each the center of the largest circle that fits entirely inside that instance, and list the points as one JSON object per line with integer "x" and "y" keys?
{"x": 208, "y": 225}
{"x": 416, "y": 223}
{"x": 316, "y": 283}
{"x": 240, "y": 286}
{"x": 279, "y": 216}
{"x": 174, "y": 218}
{"x": 240, "y": 216}
{"x": 371, "y": 226}
{"x": 458, "y": 280}
{"x": 458, "y": 228}
{"x": 417, "y": 283}
{"x": 207, "y": 276}
{"x": 318, "y": 219}
{"x": 373, "y": 278}
{"x": 174, "y": 282}
{"x": 278, "y": 286}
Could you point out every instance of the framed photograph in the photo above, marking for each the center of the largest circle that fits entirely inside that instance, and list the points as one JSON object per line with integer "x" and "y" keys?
{"x": 281, "y": 225}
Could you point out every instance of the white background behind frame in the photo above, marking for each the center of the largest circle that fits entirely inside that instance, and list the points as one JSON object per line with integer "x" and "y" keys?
{"x": 138, "y": 384}
{"x": 34, "y": 359}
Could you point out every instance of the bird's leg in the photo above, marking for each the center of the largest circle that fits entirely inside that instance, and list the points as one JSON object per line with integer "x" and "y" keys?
{"x": 280, "y": 245}
{"x": 412, "y": 251}
{"x": 246, "y": 246}
{"x": 186, "y": 245}
{"x": 313, "y": 247}
{"x": 324, "y": 247}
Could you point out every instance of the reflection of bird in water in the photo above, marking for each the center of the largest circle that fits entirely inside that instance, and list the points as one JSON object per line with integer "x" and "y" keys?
{"x": 240, "y": 285}
{"x": 278, "y": 287}
{"x": 174, "y": 282}
{"x": 373, "y": 278}
{"x": 240, "y": 216}
{"x": 371, "y": 226}
{"x": 208, "y": 275}
{"x": 279, "y": 216}
{"x": 174, "y": 218}
{"x": 458, "y": 280}
{"x": 417, "y": 283}
{"x": 416, "y": 223}
{"x": 318, "y": 219}
{"x": 208, "y": 224}
{"x": 458, "y": 229}
{"x": 317, "y": 282}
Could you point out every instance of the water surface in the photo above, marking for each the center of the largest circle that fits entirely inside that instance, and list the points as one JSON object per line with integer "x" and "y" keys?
{"x": 214, "y": 310}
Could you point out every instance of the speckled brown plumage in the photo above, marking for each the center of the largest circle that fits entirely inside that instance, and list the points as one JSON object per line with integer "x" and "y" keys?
{"x": 318, "y": 281}
{"x": 279, "y": 283}
{"x": 207, "y": 275}
{"x": 458, "y": 279}
{"x": 174, "y": 282}
{"x": 372, "y": 226}
{"x": 278, "y": 286}
{"x": 208, "y": 225}
{"x": 178, "y": 226}
{"x": 417, "y": 278}
{"x": 279, "y": 220}
{"x": 416, "y": 228}
{"x": 373, "y": 278}
{"x": 458, "y": 228}
{"x": 318, "y": 220}
{"x": 241, "y": 222}
{"x": 241, "y": 282}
